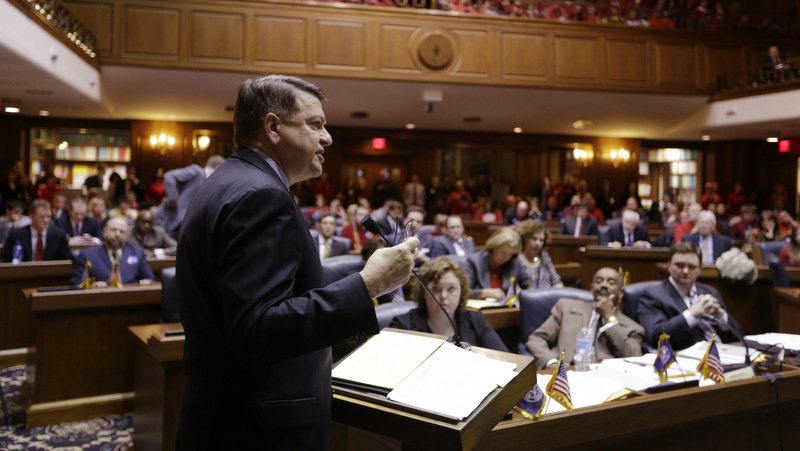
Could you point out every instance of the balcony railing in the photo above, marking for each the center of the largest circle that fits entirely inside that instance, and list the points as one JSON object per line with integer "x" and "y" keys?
{"x": 767, "y": 77}
{"x": 55, "y": 16}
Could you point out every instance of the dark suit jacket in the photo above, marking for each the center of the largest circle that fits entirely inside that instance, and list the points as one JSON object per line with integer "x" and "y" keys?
{"x": 477, "y": 270}
{"x": 56, "y": 245}
{"x": 616, "y": 233}
{"x": 179, "y": 185}
{"x": 660, "y": 310}
{"x": 339, "y": 245}
{"x": 133, "y": 265}
{"x": 472, "y": 327}
{"x": 719, "y": 242}
{"x": 93, "y": 181}
{"x": 588, "y": 226}
{"x": 258, "y": 317}
{"x": 89, "y": 225}
{"x": 444, "y": 245}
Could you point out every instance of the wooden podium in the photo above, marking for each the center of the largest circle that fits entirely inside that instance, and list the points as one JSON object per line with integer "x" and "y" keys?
{"x": 379, "y": 415}
{"x": 81, "y": 363}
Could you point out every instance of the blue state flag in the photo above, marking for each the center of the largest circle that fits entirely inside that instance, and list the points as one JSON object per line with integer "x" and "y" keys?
{"x": 530, "y": 406}
{"x": 665, "y": 358}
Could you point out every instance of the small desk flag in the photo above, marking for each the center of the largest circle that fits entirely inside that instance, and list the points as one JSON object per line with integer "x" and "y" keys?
{"x": 711, "y": 366}
{"x": 665, "y": 358}
{"x": 558, "y": 387}
{"x": 512, "y": 292}
{"x": 531, "y": 405}
{"x": 88, "y": 278}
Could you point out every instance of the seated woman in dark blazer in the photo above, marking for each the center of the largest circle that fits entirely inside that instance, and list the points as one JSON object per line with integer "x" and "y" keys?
{"x": 447, "y": 281}
{"x": 534, "y": 237}
{"x": 490, "y": 271}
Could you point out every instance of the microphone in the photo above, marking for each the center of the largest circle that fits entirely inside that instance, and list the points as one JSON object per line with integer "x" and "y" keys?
{"x": 726, "y": 326}
{"x": 372, "y": 227}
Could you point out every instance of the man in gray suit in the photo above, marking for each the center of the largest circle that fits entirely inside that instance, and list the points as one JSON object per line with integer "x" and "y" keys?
{"x": 454, "y": 242}
{"x": 179, "y": 188}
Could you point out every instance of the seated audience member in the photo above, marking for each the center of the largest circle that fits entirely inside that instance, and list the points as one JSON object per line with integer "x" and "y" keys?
{"x": 47, "y": 190}
{"x": 415, "y": 216}
{"x": 711, "y": 244}
{"x": 329, "y": 247}
{"x": 41, "y": 240}
{"x": 685, "y": 228}
{"x": 123, "y": 210}
{"x": 533, "y": 237}
{"x": 790, "y": 255}
{"x": 59, "y": 206}
{"x": 617, "y": 335}
{"x": 454, "y": 242}
{"x": 447, "y": 281}
{"x": 77, "y": 223}
{"x": 150, "y": 236}
{"x": 629, "y": 232}
{"x": 723, "y": 225}
{"x": 13, "y": 219}
{"x": 97, "y": 209}
{"x": 748, "y": 220}
{"x": 133, "y": 267}
{"x": 785, "y": 224}
{"x": 388, "y": 223}
{"x": 488, "y": 212}
{"x": 440, "y": 221}
{"x": 676, "y": 305}
{"x": 768, "y": 229}
{"x": 520, "y": 213}
{"x": 490, "y": 271}
{"x": 355, "y": 232}
{"x": 579, "y": 224}
{"x": 736, "y": 199}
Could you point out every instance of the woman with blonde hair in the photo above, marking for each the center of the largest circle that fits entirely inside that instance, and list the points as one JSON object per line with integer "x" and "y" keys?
{"x": 446, "y": 280}
{"x": 490, "y": 271}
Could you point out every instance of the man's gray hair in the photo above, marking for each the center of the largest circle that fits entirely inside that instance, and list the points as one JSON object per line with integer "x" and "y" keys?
{"x": 705, "y": 214}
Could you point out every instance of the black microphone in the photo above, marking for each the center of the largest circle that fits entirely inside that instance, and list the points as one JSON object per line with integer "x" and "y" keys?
{"x": 372, "y": 227}
{"x": 713, "y": 319}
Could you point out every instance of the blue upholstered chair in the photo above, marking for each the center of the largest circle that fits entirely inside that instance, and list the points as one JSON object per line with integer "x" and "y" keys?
{"x": 535, "y": 306}
{"x": 771, "y": 248}
{"x": 387, "y": 312}
{"x": 630, "y": 300}
{"x": 769, "y": 256}
{"x": 462, "y": 261}
{"x": 169, "y": 296}
{"x": 341, "y": 266}
{"x": 426, "y": 230}
{"x": 603, "y": 235}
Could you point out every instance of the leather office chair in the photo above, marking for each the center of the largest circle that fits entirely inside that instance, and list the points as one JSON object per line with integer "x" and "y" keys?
{"x": 603, "y": 235}
{"x": 426, "y": 230}
{"x": 386, "y": 312}
{"x": 535, "y": 306}
{"x": 169, "y": 296}
{"x": 630, "y": 304}
{"x": 341, "y": 266}
{"x": 462, "y": 261}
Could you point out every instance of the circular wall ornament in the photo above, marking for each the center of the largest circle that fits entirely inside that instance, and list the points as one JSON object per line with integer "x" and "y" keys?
{"x": 435, "y": 51}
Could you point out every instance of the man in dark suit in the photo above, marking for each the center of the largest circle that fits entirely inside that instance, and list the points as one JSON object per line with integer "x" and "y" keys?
{"x": 629, "y": 232}
{"x": 676, "y": 306}
{"x": 96, "y": 181}
{"x": 388, "y": 221}
{"x": 330, "y": 245}
{"x": 76, "y": 223}
{"x": 258, "y": 317}
{"x": 579, "y": 224}
{"x": 454, "y": 243}
{"x": 133, "y": 266}
{"x": 180, "y": 186}
{"x": 41, "y": 240}
{"x": 416, "y": 216}
{"x": 711, "y": 245}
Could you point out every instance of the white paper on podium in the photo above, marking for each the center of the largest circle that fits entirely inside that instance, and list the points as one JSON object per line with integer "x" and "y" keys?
{"x": 453, "y": 381}
{"x": 386, "y": 359}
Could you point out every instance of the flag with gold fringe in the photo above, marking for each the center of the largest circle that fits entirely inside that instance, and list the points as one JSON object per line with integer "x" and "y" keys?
{"x": 558, "y": 387}
{"x": 711, "y": 366}
{"x": 531, "y": 405}
{"x": 88, "y": 277}
{"x": 665, "y": 357}
{"x": 512, "y": 293}
{"x": 113, "y": 278}
{"x": 624, "y": 276}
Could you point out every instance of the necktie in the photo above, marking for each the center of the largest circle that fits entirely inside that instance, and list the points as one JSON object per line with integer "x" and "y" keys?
{"x": 578, "y": 227}
{"x": 39, "y": 248}
{"x": 707, "y": 254}
{"x": 628, "y": 239}
{"x": 708, "y": 331}
{"x": 459, "y": 250}
{"x": 77, "y": 229}
{"x": 327, "y": 252}
{"x": 115, "y": 257}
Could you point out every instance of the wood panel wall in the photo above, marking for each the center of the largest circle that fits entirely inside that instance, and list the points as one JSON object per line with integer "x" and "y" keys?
{"x": 345, "y": 40}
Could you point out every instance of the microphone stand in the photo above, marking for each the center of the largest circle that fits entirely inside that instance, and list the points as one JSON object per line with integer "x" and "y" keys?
{"x": 726, "y": 326}
{"x": 372, "y": 227}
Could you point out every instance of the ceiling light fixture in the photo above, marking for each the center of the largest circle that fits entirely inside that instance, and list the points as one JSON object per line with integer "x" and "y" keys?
{"x": 44, "y": 113}
{"x": 517, "y": 129}
{"x": 706, "y": 137}
{"x": 772, "y": 139}
{"x": 411, "y": 126}
{"x": 12, "y": 106}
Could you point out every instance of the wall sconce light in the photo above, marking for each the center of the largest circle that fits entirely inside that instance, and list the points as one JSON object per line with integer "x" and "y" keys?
{"x": 12, "y": 106}
{"x": 582, "y": 156}
{"x": 619, "y": 156}
{"x": 162, "y": 143}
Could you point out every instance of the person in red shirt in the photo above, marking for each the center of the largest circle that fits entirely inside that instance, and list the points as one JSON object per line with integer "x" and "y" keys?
{"x": 710, "y": 196}
{"x": 47, "y": 189}
{"x": 736, "y": 199}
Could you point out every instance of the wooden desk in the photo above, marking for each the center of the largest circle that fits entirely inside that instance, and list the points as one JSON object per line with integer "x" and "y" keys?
{"x": 640, "y": 263}
{"x": 14, "y": 312}
{"x": 736, "y": 415}
{"x": 82, "y": 359}
{"x": 566, "y": 248}
{"x": 788, "y": 300}
{"x": 158, "y": 264}
{"x": 751, "y": 305}
{"x": 159, "y": 386}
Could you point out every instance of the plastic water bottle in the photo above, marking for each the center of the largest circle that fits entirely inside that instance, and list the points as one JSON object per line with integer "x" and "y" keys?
{"x": 16, "y": 253}
{"x": 584, "y": 352}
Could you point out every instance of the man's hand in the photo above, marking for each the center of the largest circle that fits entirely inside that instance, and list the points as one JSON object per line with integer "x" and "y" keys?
{"x": 145, "y": 282}
{"x": 99, "y": 284}
{"x": 604, "y": 305}
{"x": 495, "y": 293}
{"x": 707, "y": 304}
{"x": 389, "y": 268}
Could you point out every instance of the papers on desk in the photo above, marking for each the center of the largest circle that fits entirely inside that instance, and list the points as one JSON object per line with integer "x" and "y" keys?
{"x": 728, "y": 354}
{"x": 479, "y": 304}
{"x": 425, "y": 372}
{"x": 789, "y": 342}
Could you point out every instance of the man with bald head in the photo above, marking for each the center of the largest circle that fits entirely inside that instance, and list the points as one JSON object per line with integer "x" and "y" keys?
{"x": 629, "y": 232}
{"x": 133, "y": 267}
{"x": 150, "y": 236}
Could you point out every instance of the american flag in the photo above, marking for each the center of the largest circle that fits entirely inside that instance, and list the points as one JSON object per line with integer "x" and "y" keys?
{"x": 711, "y": 366}
{"x": 558, "y": 387}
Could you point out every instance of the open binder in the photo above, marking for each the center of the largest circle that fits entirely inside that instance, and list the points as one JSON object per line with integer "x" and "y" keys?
{"x": 368, "y": 389}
